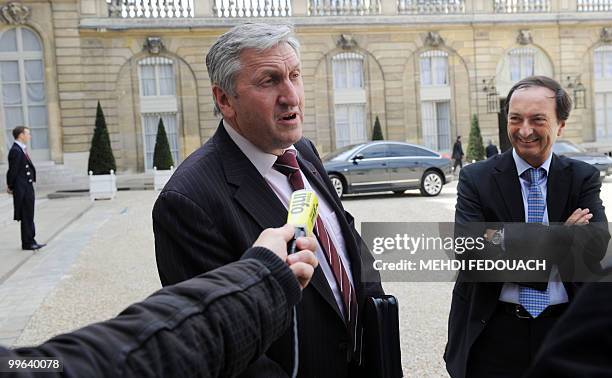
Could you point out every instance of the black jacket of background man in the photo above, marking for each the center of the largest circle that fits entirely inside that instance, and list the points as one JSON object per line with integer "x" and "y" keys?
{"x": 489, "y": 191}
{"x": 20, "y": 179}
{"x": 203, "y": 327}
{"x": 215, "y": 205}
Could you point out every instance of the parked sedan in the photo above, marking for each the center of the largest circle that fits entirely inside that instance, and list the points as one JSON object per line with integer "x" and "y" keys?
{"x": 600, "y": 161}
{"x": 382, "y": 166}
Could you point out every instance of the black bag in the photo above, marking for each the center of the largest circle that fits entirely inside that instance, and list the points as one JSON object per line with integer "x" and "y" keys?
{"x": 382, "y": 357}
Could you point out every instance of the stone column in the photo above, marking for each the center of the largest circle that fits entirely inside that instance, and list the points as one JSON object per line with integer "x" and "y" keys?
{"x": 299, "y": 8}
{"x": 389, "y": 8}
{"x": 203, "y": 8}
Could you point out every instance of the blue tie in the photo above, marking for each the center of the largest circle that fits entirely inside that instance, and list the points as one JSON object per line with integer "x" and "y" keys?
{"x": 534, "y": 301}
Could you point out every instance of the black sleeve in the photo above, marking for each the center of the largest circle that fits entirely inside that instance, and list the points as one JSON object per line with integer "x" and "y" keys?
{"x": 187, "y": 243}
{"x": 213, "y": 325}
{"x": 580, "y": 342}
{"x": 14, "y": 163}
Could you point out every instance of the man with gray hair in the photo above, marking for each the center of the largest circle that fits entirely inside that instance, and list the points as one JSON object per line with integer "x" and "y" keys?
{"x": 240, "y": 182}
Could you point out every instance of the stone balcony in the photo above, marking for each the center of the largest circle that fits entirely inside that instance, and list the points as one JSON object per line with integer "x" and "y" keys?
{"x": 150, "y": 14}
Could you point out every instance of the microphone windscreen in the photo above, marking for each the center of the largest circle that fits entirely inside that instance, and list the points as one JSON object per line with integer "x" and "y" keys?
{"x": 303, "y": 210}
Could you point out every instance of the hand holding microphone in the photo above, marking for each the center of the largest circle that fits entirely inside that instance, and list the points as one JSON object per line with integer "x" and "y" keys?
{"x": 296, "y": 235}
{"x": 301, "y": 263}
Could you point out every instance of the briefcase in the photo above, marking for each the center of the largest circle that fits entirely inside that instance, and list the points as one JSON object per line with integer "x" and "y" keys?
{"x": 382, "y": 357}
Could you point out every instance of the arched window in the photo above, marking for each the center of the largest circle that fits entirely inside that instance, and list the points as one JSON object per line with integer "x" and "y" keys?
{"x": 522, "y": 63}
{"x": 349, "y": 98}
{"x": 434, "y": 68}
{"x": 602, "y": 59}
{"x": 23, "y": 96}
{"x": 157, "y": 79}
{"x": 435, "y": 100}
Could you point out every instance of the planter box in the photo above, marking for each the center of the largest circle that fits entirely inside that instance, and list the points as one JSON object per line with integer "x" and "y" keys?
{"x": 102, "y": 186}
{"x": 161, "y": 177}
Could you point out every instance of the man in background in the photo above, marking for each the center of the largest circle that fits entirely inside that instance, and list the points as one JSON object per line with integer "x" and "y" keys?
{"x": 457, "y": 154}
{"x": 496, "y": 328}
{"x": 20, "y": 180}
{"x": 491, "y": 149}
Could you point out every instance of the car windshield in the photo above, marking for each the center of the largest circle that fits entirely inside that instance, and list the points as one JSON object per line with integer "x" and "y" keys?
{"x": 342, "y": 153}
{"x": 565, "y": 147}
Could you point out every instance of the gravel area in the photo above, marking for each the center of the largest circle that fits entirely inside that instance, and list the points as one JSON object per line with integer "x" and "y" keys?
{"x": 116, "y": 268}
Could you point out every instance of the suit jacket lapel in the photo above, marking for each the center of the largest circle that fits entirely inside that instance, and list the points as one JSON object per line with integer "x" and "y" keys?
{"x": 509, "y": 187}
{"x": 558, "y": 189}
{"x": 257, "y": 198}
{"x": 253, "y": 192}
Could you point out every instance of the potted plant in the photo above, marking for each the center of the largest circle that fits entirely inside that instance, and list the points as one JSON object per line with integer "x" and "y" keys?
{"x": 101, "y": 166}
{"x": 163, "y": 165}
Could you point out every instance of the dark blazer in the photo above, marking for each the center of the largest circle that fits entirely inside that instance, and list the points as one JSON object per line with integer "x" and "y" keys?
{"x": 20, "y": 176}
{"x": 177, "y": 331}
{"x": 489, "y": 191}
{"x": 491, "y": 150}
{"x": 575, "y": 347}
{"x": 215, "y": 205}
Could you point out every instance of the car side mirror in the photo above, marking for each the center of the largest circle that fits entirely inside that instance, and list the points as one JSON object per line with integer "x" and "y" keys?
{"x": 357, "y": 158}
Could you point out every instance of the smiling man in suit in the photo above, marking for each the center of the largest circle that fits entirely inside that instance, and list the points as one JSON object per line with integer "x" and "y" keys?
{"x": 240, "y": 182}
{"x": 496, "y": 328}
{"x": 20, "y": 180}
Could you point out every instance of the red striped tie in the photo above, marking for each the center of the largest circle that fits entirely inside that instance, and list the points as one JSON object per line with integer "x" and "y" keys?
{"x": 287, "y": 164}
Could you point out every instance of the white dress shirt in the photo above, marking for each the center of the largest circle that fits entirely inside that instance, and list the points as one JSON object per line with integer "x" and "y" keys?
{"x": 24, "y": 148}
{"x": 279, "y": 183}
{"x": 556, "y": 290}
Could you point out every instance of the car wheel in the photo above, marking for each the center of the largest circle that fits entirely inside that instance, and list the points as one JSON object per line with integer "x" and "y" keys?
{"x": 338, "y": 184}
{"x": 431, "y": 184}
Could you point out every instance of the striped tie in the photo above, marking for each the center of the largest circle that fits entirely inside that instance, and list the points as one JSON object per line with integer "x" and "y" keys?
{"x": 534, "y": 301}
{"x": 287, "y": 164}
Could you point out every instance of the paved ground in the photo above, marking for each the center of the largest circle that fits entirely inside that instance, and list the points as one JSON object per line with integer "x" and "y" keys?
{"x": 104, "y": 260}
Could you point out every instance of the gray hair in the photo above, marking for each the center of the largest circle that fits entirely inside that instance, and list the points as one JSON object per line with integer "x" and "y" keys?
{"x": 223, "y": 58}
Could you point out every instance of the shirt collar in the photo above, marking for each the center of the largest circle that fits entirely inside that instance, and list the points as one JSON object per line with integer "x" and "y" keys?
{"x": 23, "y": 146}
{"x": 522, "y": 165}
{"x": 262, "y": 161}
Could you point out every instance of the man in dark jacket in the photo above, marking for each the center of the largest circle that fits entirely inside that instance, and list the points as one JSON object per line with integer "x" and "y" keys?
{"x": 213, "y": 325}
{"x": 20, "y": 180}
{"x": 457, "y": 154}
{"x": 240, "y": 182}
{"x": 491, "y": 149}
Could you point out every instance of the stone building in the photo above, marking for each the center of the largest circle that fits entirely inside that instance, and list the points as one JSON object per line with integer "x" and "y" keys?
{"x": 423, "y": 67}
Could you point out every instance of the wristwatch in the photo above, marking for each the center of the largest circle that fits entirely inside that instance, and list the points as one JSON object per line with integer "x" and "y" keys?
{"x": 498, "y": 238}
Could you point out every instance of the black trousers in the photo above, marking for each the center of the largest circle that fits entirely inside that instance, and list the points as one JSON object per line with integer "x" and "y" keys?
{"x": 508, "y": 345}
{"x": 28, "y": 231}
{"x": 458, "y": 162}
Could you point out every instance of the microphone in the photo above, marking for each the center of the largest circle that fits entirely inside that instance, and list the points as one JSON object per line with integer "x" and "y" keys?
{"x": 303, "y": 210}
{"x": 302, "y": 215}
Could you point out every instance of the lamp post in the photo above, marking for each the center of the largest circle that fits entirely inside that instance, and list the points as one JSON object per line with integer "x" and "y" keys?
{"x": 578, "y": 92}
{"x": 488, "y": 86}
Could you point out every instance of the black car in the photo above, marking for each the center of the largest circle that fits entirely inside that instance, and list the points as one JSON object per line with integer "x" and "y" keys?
{"x": 600, "y": 161}
{"x": 382, "y": 166}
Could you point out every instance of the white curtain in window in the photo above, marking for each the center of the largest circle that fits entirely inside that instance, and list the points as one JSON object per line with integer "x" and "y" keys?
{"x": 429, "y": 124}
{"x": 434, "y": 68}
{"x": 150, "y": 123}
{"x": 443, "y": 123}
{"x": 441, "y": 69}
{"x": 603, "y": 115}
{"x": 30, "y": 41}
{"x": 147, "y": 80}
{"x": 348, "y": 71}
{"x": 343, "y": 134}
{"x": 426, "y": 71}
{"x": 22, "y": 73}
{"x": 166, "y": 80}
{"x": 350, "y": 124}
{"x": 522, "y": 63}
{"x": 8, "y": 42}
